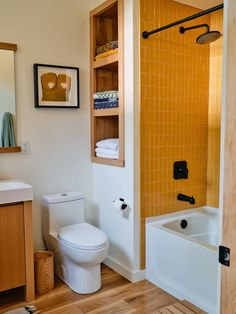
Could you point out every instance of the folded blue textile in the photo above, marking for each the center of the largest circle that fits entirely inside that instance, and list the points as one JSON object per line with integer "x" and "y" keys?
{"x": 102, "y": 100}
{"x": 114, "y": 103}
{"x": 106, "y": 94}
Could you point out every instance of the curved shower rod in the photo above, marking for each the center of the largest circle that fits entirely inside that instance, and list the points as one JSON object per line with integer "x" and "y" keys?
{"x": 146, "y": 34}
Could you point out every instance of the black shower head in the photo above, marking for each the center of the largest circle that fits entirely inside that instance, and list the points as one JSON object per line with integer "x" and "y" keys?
{"x": 206, "y": 38}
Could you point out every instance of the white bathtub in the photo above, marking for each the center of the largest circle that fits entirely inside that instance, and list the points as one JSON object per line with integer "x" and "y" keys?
{"x": 183, "y": 262}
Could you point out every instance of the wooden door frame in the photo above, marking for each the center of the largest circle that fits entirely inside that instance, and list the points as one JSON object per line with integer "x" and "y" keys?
{"x": 228, "y": 157}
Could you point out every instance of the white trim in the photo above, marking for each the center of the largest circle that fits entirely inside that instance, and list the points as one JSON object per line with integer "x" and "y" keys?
{"x": 129, "y": 274}
{"x": 136, "y": 132}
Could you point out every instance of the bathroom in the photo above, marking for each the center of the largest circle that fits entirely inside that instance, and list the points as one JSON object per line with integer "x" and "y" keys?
{"x": 60, "y": 155}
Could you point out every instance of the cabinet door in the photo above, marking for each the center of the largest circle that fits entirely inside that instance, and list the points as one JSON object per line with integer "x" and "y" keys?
{"x": 12, "y": 251}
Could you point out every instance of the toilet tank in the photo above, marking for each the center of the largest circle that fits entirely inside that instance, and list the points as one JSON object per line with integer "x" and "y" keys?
{"x": 59, "y": 210}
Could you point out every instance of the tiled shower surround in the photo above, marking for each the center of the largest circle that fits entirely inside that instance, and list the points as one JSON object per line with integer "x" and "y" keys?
{"x": 175, "y": 100}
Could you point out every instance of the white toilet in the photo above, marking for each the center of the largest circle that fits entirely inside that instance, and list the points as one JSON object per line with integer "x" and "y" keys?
{"x": 79, "y": 247}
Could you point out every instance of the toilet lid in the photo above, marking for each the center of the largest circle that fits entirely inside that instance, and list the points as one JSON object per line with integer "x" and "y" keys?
{"x": 83, "y": 236}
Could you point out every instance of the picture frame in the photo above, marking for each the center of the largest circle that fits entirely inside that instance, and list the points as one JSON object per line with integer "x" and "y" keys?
{"x": 56, "y": 86}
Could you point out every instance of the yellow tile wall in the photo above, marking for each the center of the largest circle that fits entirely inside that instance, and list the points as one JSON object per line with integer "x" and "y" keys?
{"x": 214, "y": 119}
{"x": 174, "y": 110}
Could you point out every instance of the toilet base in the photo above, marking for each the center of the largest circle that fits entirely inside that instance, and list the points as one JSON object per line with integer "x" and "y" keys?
{"x": 83, "y": 280}
{"x": 79, "y": 269}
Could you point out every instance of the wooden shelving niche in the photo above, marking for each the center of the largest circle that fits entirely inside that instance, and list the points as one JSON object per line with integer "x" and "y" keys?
{"x": 106, "y": 25}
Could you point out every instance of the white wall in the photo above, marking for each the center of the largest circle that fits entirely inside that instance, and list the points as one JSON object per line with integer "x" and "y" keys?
{"x": 57, "y": 32}
{"x": 51, "y": 32}
{"x": 110, "y": 183}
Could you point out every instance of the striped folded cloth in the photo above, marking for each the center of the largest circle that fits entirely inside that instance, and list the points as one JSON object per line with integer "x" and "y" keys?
{"x": 108, "y": 46}
{"x": 106, "y": 94}
{"x": 106, "y": 54}
{"x": 106, "y": 103}
{"x": 105, "y": 99}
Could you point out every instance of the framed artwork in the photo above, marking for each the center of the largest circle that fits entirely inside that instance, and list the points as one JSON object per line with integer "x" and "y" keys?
{"x": 56, "y": 86}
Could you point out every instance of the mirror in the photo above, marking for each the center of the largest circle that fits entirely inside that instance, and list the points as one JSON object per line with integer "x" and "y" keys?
{"x": 7, "y": 99}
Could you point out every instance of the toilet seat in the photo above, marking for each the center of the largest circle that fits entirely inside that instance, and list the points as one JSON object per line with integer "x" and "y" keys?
{"x": 83, "y": 236}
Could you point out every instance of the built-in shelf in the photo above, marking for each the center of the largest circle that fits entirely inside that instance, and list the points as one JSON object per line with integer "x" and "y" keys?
{"x": 107, "y": 161}
{"x": 5, "y": 150}
{"x": 106, "y": 112}
{"x": 106, "y": 24}
{"x": 106, "y": 61}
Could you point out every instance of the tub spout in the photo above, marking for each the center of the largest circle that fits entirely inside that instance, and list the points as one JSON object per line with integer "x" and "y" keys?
{"x": 185, "y": 198}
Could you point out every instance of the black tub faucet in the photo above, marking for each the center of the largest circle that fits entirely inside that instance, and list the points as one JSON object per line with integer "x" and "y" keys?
{"x": 186, "y": 198}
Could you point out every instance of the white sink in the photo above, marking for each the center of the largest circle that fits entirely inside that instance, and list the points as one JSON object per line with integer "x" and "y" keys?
{"x": 12, "y": 191}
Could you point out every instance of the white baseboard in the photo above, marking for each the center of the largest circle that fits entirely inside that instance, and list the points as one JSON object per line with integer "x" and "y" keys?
{"x": 129, "y": 274}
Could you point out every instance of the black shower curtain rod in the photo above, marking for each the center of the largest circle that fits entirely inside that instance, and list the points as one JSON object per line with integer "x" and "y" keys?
{"x": 146, "y": 34}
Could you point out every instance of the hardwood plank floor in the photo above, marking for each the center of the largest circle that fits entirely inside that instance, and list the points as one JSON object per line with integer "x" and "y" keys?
{"x": 117, "y": 296}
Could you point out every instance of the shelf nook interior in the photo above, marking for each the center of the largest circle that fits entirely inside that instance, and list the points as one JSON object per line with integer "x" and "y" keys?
{"x": 106, "y": 64}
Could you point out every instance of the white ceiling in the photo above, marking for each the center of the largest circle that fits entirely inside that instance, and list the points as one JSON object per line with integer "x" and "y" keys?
{"x": 201, "y": 4}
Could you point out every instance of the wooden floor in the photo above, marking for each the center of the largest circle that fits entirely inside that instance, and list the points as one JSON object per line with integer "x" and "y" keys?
{"x": 117, "y": 295}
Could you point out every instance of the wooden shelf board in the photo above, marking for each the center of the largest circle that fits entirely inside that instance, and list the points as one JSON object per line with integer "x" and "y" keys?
{"x": 106, "y": 112}
{"x": 107, "y": 61}
{"x": 107, "y": 161}
{"x": 8, "y": 46}
{"x": 4, "y": 150}
{"x": 103, "y": 8}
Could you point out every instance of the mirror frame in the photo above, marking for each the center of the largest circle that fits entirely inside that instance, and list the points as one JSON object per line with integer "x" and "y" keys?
{"x": 15, "y": 149}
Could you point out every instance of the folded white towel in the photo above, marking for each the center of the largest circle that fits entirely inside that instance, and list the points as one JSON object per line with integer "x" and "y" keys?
{"x": 106, "y": 151}
{"x": 110, "y": 143}
{"x": 107, "y": 156}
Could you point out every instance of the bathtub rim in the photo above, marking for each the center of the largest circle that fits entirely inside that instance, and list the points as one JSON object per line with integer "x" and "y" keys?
{"x": 157, "y": 222}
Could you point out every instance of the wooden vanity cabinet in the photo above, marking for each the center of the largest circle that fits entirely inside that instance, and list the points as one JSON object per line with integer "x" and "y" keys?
{"x": 16, "y": 248}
